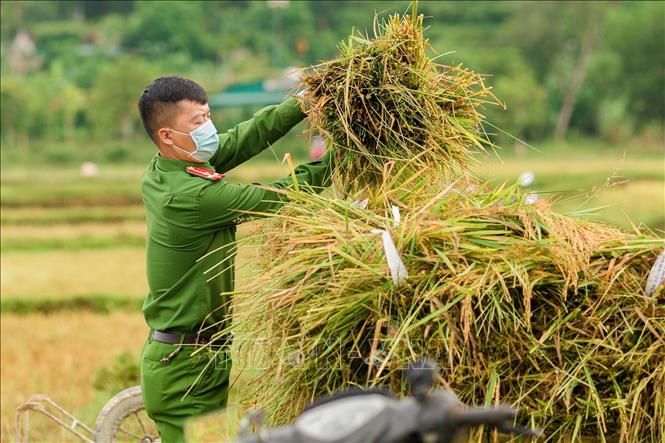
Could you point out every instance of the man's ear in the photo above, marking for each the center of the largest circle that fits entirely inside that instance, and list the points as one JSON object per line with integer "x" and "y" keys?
{"x": 164, "y": 136}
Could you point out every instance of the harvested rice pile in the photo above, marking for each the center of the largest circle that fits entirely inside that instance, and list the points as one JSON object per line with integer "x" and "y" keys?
{"x": 384, "y": 100}
{"x": 517, "y": 303}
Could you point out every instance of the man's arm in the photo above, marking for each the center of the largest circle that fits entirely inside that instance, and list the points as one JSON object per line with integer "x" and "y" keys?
{"x": 221, "y": 203}
{"x": 250, "y": 137}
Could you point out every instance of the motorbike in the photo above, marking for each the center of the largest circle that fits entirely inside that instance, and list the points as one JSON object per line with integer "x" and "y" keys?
{"x": 427, "y": 415}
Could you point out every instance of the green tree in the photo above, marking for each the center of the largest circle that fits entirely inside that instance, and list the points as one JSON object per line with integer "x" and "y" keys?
{"x": 538, "y": 31}
{"x": 113, "y": 103}
{"x": 162, "y": 29}
{"x": 73, "y": 101}
{"x": 636, "y": 34}
{"x": 18, "y": 109}
{"x": 514, "y": 83}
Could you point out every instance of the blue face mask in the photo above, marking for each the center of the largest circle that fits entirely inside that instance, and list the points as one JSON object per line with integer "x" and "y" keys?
{"x": 206, "y": 139}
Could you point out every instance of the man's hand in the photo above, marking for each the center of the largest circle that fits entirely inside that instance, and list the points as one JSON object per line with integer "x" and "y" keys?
{"x": 317, "y": 148}
{"x": 302, "y": 101}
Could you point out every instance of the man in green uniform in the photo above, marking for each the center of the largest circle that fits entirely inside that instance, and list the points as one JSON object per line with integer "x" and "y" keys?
{"x": 192, "y": 211}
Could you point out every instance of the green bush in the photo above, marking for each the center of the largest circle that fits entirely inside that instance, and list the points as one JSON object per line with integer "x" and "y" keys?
{"x": 123, "y": 373}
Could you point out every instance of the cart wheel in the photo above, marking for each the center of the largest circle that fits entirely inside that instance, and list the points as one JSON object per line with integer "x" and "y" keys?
{"x": 124, "y": 419}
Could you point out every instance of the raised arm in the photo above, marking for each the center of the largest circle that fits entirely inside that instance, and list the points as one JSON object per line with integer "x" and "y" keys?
{"x": 250, "y": 137}
{"x": 222, "y": 203}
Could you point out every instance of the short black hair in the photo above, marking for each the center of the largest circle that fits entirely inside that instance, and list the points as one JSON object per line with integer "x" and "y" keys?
{"x": 157, "y": 104}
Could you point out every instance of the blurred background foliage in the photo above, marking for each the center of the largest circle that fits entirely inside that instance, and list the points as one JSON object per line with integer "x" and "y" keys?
{"x": 72, "y": 71}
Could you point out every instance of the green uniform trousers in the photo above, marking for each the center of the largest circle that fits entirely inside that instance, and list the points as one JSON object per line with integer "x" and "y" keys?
{"x": 164, "y": 385}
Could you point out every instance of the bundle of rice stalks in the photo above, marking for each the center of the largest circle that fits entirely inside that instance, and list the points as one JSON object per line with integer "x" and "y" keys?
{"x": 384, "y": 99}
{"x": 517, "y": 303}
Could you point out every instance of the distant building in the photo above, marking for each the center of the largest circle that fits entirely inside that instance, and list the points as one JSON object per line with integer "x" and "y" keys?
{"x": 23, "y": 53}
{"x": 259, "y": 93}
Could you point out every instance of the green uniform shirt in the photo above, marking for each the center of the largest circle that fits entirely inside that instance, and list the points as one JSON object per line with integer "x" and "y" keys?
{"x": 189, "y": 216}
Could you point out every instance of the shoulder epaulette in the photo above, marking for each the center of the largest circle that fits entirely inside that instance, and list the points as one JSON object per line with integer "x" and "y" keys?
{"x": 204, "y": 173}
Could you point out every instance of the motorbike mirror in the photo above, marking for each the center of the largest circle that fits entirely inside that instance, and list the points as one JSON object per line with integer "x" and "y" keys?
{"x": 421, "y": 377}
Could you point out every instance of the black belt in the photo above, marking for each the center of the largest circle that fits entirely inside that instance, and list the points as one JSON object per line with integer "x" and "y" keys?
{"x": 191, "y": 339}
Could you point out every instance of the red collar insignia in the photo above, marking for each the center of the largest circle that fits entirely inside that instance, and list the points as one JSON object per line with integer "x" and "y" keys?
{"x": 204, "y": 173}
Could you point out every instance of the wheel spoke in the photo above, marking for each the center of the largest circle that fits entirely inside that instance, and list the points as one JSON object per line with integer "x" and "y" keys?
{"x": 130, "y": 434}
{"x": 136, "y": 414}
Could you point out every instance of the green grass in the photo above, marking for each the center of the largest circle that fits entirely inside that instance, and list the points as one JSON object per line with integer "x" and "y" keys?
{"x": 62, "y": 274}
{"x": 66, "y": 215}
{"x": 580, "y": 174}
{"x": 66, "y": 187}
{"x": 36, "y": 239}
{"x": 82, "y": 243}
{"x": 637, "y": 202}
{"x": 97, "y": 303}
{"x": 95, "y": 192}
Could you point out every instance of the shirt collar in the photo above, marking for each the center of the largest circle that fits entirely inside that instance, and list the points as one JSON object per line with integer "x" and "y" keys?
{"x": 168, "y": 164}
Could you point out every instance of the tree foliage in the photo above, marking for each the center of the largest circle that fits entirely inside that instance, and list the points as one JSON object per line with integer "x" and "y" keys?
{"x": 91, "y": 59}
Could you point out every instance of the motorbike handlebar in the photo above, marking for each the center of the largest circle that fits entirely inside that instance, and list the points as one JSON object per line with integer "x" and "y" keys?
{"x": 481, "y": 416}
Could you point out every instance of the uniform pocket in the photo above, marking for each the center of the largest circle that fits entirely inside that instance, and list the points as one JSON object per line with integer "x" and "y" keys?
{"x": 156, "y": 351}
